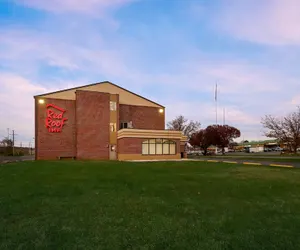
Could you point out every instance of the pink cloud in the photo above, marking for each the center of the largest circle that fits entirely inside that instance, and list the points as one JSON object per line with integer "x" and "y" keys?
{"x": 234, "y": 77}
{"x": 296, "y": 100}
{"x": 204, "y": 111}
{"x": 239, "y": 82}
{"x": 35, "y": 47}
{"x": 17, "y": 97}
{"x": 61, "y": 51}
{"x": 273, "y": 22}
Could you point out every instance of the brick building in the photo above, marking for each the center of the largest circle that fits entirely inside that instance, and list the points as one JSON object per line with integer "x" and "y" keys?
{"x": 103, "y": 121}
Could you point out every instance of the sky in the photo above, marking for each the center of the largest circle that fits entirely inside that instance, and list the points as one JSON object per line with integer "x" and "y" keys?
{"x": 170, "y": 51}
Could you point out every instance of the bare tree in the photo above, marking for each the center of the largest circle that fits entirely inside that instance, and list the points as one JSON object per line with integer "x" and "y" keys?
{"x": 180, "y": 123}
{"x": 7, "y": 142}
{"x": 285, "y": 130}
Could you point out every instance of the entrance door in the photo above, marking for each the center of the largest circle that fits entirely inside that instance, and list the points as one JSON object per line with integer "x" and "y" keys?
{"x": 112, "y": 152}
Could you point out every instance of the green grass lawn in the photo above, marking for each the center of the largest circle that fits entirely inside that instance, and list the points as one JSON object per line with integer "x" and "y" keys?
{"x": 161, "y": 205}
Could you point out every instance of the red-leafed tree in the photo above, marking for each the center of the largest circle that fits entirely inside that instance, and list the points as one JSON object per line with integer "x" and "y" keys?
{"x": 218, "y": 135}
{"x": 223, "y": 135}
{"x": 203, "y": 139}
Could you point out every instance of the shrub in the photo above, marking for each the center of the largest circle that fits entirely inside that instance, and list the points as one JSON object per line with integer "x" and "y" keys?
{"x": 8, "y": 151}
{"x": 21, "y": 153}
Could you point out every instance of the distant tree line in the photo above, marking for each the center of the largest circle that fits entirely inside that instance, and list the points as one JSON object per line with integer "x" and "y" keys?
{"x": 7, "y": 144}
{"x": 286, "y": 130}
{"x": 7, "y": 148}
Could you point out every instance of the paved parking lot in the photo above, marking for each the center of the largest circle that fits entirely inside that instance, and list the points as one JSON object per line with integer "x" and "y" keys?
{"x": 4, "y": 159}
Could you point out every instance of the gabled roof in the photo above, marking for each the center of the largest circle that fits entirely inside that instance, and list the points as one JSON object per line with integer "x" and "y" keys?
{"x": 110, "y": 88}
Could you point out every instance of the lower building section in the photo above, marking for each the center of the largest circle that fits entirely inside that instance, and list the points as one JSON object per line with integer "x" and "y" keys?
{"x": 134, "y": 144}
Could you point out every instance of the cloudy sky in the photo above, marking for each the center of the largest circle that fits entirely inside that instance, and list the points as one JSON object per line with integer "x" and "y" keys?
{"x": 171, "y": 51}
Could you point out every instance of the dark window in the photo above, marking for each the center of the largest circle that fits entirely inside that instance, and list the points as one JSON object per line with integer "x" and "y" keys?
{"x": 123, "y": 125}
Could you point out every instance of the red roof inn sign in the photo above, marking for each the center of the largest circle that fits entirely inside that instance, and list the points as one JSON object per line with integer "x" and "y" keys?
{"x": 55, "y": 119}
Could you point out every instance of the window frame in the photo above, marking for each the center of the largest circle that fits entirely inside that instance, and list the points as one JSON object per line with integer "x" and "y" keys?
{"x": 162, "y": 142}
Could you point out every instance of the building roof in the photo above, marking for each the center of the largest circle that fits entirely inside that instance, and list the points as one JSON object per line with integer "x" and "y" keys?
{"x": 126, "y": 96}
{"x": 263, "y": 142}
{"x": 148, "y": 133}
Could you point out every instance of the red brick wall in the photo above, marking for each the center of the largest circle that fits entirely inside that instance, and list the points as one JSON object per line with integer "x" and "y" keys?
{"x": 130, "y": 145}
{"x": 134, "y": 146}
{"x": 92, "y": 120}
{"x": 52, "y": 145}
{"x": 142, "y": 117}
{"x": 178, "y": 147}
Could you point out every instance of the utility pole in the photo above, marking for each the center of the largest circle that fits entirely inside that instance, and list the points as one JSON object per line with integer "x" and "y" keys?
{"x": 13, "y": 142}
{"x": 8, "y": 133}
{"x": 216, "y": 102}
{"x": 33, "y": 145}
{"x": 29, "y": 148}
{"x": 13, "y": 146}
{"x": 224, "y": 116}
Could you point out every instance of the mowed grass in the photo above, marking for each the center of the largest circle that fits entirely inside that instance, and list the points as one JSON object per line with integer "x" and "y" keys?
{"x": 161, "y": 205}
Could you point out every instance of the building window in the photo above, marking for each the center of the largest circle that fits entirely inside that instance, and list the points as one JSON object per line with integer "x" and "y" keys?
{"x": 113, "y": 106}
{"x": 126, "y": 125}
{"x": 145, "y": 149}
{"x": 113, "y": 127}
{"x": 123, "y": 125}
{"x": 158, "y": 147}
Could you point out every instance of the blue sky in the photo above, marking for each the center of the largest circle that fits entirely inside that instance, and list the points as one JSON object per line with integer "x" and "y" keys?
{"x": 171, "y": 51}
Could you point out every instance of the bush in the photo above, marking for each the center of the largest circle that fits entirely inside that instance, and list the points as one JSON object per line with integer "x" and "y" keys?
{"x": 20, "y": 153}
{"x": 8, "y": 151}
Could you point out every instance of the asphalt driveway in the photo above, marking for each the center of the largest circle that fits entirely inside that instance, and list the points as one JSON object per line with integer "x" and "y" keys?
{"x": 249, "y": 160}
{"x": 5, "y": 159}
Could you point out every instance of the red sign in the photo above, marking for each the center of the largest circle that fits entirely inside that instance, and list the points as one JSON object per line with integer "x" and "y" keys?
{"x": 55, "y": 120}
